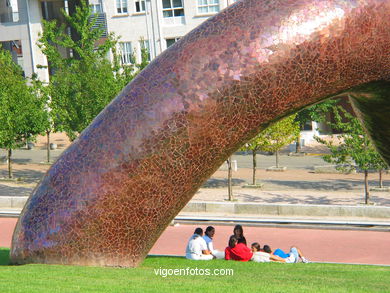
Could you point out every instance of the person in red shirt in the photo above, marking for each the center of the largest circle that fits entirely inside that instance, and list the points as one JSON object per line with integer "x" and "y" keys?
{"x": 237, "y": 251}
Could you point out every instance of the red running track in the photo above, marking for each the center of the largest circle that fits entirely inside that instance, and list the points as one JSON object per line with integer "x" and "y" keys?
{"x": 344, "y": 246}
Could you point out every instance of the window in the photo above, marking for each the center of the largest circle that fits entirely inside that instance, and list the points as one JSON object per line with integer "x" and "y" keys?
{"x": 308, "y": 126}
{"x": 208, "y": 6}
{"x": 121, "y": 6}
{"x": 145, "y": 49}
{"x": 126, "y": 53}
{"x": 11, "y": 13}
{"x": 172, "y": 8}
{"x": 139, "y": 5}
{"x": 96, "y": 6}
{"x": 170, "y": 42}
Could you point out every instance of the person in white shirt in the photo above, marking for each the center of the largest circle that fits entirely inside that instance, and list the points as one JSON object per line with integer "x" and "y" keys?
{"x": 197, "y": 247}
{"x": 258, "y": 255}
{"x": 208, "y": 237}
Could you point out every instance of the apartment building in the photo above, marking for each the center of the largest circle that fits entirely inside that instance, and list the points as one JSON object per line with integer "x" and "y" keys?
{"x": 154, "y": 24}
{"x": 20, "y": 23}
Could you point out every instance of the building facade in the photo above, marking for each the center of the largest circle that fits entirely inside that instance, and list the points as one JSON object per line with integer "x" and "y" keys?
{"x": 153, "y": 24}
{"x": 20, "y": 24}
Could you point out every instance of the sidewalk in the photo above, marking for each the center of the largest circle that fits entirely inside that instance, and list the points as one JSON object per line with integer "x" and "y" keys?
{"x": 292, "y": 186}
{"x": 299, "y": 188}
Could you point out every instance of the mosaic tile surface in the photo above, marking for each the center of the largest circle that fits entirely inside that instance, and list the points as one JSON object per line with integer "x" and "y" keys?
{"x": 114, "y": 190}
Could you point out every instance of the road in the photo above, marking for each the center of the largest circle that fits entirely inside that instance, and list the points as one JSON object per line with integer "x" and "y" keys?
{"x": 38, "y": 155}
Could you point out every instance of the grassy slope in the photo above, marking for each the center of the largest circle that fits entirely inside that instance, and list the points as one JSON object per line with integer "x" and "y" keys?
{"x": 248, "y": 277}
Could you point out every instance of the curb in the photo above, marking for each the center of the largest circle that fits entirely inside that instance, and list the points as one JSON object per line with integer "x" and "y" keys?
{"x": 288, "y": 210}
{"x": 253, "y": 209}
{"x": 12, "y": 202}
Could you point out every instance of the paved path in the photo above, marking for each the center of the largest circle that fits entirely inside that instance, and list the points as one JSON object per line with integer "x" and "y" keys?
{"x": 290, "y": 187}
{"x": 343, "y": 246}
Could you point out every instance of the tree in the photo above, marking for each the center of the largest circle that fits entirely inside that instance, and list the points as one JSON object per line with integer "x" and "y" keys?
{"x": 21, "y": 111}
{"x": 278, "y": 135}
{"x": 316, "y": 113}
{"x": 84, "y": 81}
{"x": 254, "y": 145}
{"x": 379, "y": 165}
{"x": 49, "y": 117}
{"x": 355, "y": 149}
{"x": 230, "y": 183}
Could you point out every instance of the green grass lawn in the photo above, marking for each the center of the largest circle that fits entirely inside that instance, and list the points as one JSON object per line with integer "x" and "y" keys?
{"x": 247, "y": 277}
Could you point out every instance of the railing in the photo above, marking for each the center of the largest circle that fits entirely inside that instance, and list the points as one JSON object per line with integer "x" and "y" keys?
{"x": 101, "y": 22}
{"x": 9, "y": 17}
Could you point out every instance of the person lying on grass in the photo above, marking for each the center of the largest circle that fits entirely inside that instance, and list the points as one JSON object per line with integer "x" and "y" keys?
{"x": 197, "y": 247}
{"x": 237, "y": 251}
{"x": 291, "y": 257}
{"x": 261, "y": 256}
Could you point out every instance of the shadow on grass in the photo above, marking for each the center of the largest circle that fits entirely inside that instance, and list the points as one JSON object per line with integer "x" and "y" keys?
{"x": 4, "y": 256}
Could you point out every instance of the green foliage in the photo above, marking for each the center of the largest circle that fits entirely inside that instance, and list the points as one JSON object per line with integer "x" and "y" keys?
{"x": 42, "y": 93}
{"x": 21, "y": 111}
{"x": 278, "y": 135}
{"x": 316, "y": 112}
{"x": 84, "y": 81}
{"x": 272, "y": 139}
{"x": 355, "y": 149}
{"x": 22, "y": 114}
{"x": 145, "y": 56}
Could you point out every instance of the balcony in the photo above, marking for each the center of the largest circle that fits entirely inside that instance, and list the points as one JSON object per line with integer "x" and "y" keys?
{"x": 101, "y": 22}
{"x": 9, "y": 17}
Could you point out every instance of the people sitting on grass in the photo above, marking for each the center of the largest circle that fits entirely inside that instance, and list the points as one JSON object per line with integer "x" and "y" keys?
{"x": 292, "y": 257}
{"x": 237, "y": 251}
{"x": 197, "y": 247}
{"x": 208, "y": 237}
{"x": 201, "y": 248}
{"x": 238, "y": 232}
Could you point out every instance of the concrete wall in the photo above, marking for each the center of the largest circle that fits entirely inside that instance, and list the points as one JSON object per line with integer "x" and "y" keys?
{"x": 288, "y": 210}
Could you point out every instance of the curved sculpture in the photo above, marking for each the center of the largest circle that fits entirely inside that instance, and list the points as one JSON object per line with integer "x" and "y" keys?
{"x": 115, "y": 189}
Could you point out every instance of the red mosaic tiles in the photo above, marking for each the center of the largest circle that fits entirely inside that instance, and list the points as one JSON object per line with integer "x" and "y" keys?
{"x": 116, "y": 188}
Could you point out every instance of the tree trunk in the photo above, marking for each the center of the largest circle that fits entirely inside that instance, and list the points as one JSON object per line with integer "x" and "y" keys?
{"x": 254, "y": 167}
{"x": 10, "y": 163}
{"x": 48, "y": 145}
{"x": 298, "y": 143}
{"x": 277, "y": 159}
{"x": 367, "y": 192}
{"x": 380, "y": 178}
{"x": 230, "y": 189}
